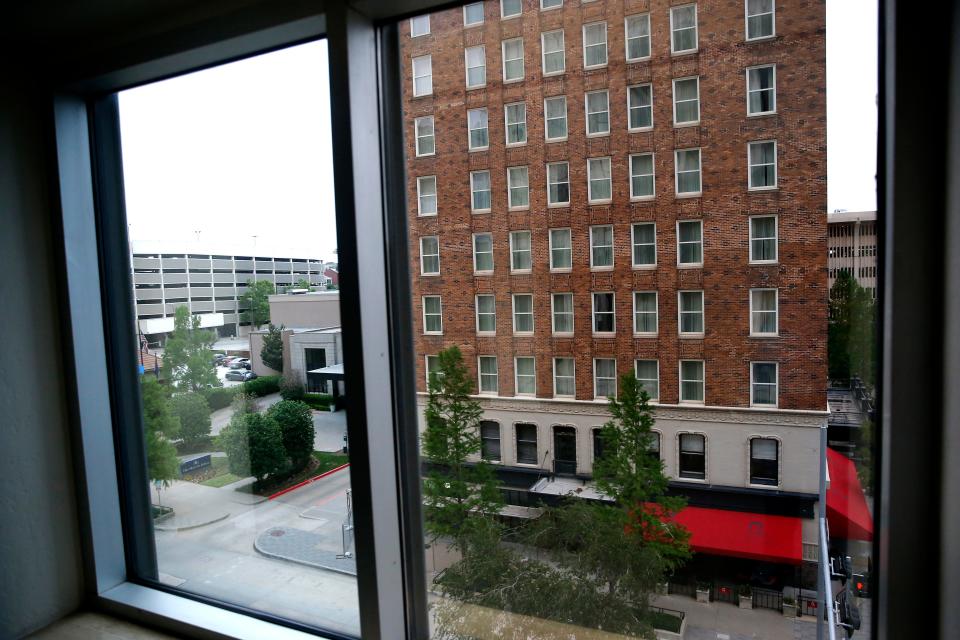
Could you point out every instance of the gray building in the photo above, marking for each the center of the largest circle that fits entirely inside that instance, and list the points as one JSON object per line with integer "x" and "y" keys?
{"x": 852, "y": 247}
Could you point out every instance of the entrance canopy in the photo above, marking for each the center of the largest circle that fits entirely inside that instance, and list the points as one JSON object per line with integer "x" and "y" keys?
{"x": 847, "y": 511}
{"x": 333, "y": 373}
{"x": 741, "y": 534}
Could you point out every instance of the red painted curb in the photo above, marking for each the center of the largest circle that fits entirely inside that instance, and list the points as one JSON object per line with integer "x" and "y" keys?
{"x": 308, "y": 481}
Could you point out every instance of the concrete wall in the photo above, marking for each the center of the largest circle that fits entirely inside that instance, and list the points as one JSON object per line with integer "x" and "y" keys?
{"x": 307, "y": 310}
{"x": 329, "y": 341}
{"x": 40, "y": 557}
{"x": 256, "y": 361}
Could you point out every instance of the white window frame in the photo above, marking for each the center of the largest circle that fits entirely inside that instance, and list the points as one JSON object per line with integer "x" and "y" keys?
{"x": 776, "y": 384}
{"x": 417, "y": 136}
{"x": 590, "y": 198}
{"x": 676, "y": 173}
{"x": 633, "y": 244}
{"x": 544, "y": 52}
{"x": 477, "y": 271}
{"x": 506, "y": 16}
{"x": 481, "y": 375}
{"x": 702, "y": 381}
{"x": 612, "y": 245}
{"x": 513, "y": 306}
{"x": 636, "y": 362}
{"x": 503, "y": 53}
{"x": 554, "y": 268}
{"x": 420, "y": 197}
{"x": 477, "y": 314}
{"x": 656, "y": 314}
{"x": 424, "y": 254}
{"x": 573, "y": 377}
{"x": 426, "y": 366}
{"x": 473, "y": 190}
{"x": 776, "y": 239}
{"x": 559, "y": 5}
{"x": 689, "y": 265}
{"x": 514, "y": 251}
{"x": 775, "y": 312}
{"x": 560, "y": 203}
{"x": 470, "y": 146}
{"x": 414, "y": 20}
{"x": 696, "y": 30}
{"x": 653, "y": 175}
{"x": 596, "y": 378}
{"x": 423, "y": 304}
{"x": 467, "y": 67}
{"x": 413, "y": 62}
{"x": 525, "y": 172}
{"x": 627, "y": 38}
{"x": 746, "y": 22}
{"x": 630, "y": 106}
{"x": 606, "y": 52}
{"x": 593, "y": 313}
{"x": 478, "y": 22}
{"x": 776, "y": 169}
{"x": 773, "y": 67}
{"x": 547, "y": 119}
{"x": 681, "y": 312}
{"x": 516, "y": 376}
{"x": 553, "y": 315}
{"x": 685, "y": 123}
{"x": 587, "y": 113}
{"x": 507, "y": 124}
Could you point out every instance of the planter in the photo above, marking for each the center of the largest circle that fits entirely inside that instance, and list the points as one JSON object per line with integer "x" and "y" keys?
{"x": 745, "y": 602}
{"x": 789, "y": 610}
{"x": 703, "y": 595}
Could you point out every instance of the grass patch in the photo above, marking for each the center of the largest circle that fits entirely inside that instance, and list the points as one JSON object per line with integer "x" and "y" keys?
{"x": 219, "y": 474}
{"x": 328, "y": 461}
{"x": 665, "y": 621}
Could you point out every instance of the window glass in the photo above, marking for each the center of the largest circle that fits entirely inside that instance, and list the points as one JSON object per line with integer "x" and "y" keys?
{"x": 595, "y": 44}
{"x": 477, "y": 125}
{"x": 648, "y": 374}
{"x": 526, "y": 443}
{"x": 521, "y": 258}
{"x": 688, "y": 172}
{"x": 476, "y": 65}
{"x": 427, "y": 195}
{"x": 640, "y": 106}
{"x": 489, "y": 378}
{"x": 432, "y": 315}
{"x": 692, "y": 456}
{"x": 526, "y": 373}
{"x": 763, "y": 239}
{"x": 598, "y": 179}
{"x": 473, "y": 14}
{"x": 555, "y": 114}
{"x": 561, "y": 251}
{"x": 683, "y": 28}
{"x": 603, "y": 313}
{"x": 604, "y": 377}
{"x": 641, "y": 175}
{"x": 419, "y": 26}
{"x": 638, "y": 37}
{"x": 518, "y": 187}
{"x": 486, "y": 314}
{"x": 601, "y": 246}
{"x": 554, "y": 56}
{"x": 644, "y": 244}
{"x": 522, "y": 313}
{"x": 763, "y": 165}
{"x": 691, "y": 312}
{"x": 564, "y": 380}
{"x": 761, "y": 90}
{"x": 482, "y": 252}
{"x": 760, "y": 19}
{"x": 563, "y": 313}
{"x": 691, "y": 381}
{"x": 690, "y": 242}
{"x": 764, "y": 461}
{"x": 550, "y": 4}
{"x": 509, "y": 8}
{"x": 764, "y": 383}
{"x": 422, "y": 76}
{"x": 490, "y": 440}
{"x": 763, "y": 312}
{"x": 686, "y": 101}
{"x": 429, "y": 255}
{"x": 513, "y": 60}
{"x": 480, "y": 189}
{"x": 558, "y": 183}
{"x": 598, "y": 113}
{"x": 645, "y": 312}
{"x": 424, "y": 136}
{"x": 516, "y": 123}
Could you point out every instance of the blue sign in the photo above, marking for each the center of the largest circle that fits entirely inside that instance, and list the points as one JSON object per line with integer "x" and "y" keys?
{"x": 193, "y": 464}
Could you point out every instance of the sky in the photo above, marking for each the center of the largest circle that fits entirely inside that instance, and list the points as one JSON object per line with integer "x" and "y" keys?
{"x": 237, "y": 159}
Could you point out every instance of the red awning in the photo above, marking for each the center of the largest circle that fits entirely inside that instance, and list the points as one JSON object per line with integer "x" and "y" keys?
{"x": 743, "y": 535}
{"x": 847, "y": 511}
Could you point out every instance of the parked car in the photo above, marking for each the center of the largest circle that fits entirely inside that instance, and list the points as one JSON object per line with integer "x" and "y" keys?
{"x": 218, "y": 358}
{"x": 240, "y": 363}
{"x": 240, "y": 375}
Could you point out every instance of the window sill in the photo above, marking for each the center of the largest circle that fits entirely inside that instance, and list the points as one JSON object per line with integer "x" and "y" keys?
{"x": 684, "y": 196}
{"x": 764, "y": 335}
{"x": 563, "y": 334}
{"x": 486, "y": 334}
{"x": 520, "y": 272}
{"x": 514, "y": 81}
{"x": 478, "y": 149}
{"x": 425, "y": 155}
{"x": 562, "y": 270}
{"x": 559, "y": 205}
{"x": 479, "y": 211}
{"x": 514, "y": 145}
{"x": 429, "y": 275}
{"x": 685, "y": 52}
{"x": 523, "y": 334}
{"x": 761, "y": 189}
{"x": 552, "y": 140}
{"x": 595, "y": 203}
{"x": 604, "y": 334}
{"x": 640, "y": 129}
{"x": 652, "y": 198}
{"x": 762, "y": 114}
{"x": 426, "y": 215}
{"x": 475, "y": 87}
{"x": 691, "y": 336}
{"x": 518, "y": 209}
{"x": 763, "y": 406}
{"x": 763, "y": 262}
{"x": 692, "y": 480}
{"x": 772, "y": 36}
{"x": 768, "y": 487}
{"x": 601, "y": 269}
{"x": 482, "y": 273}
{"x": 697, "y": 265}
{"x": 553, "y": 74}
{"x": 646, "y": 335}
{"x": 643, "y": 59}
{"x": 644, "y": 267}
{"x": 686, "y": 125}
{"x": 605, "y": 134}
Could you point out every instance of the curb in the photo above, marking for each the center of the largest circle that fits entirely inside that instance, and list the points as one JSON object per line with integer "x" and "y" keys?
{"x": 307, "y": 481}
{"x": 187, "y": 527}
{"x": 305, "y": 563}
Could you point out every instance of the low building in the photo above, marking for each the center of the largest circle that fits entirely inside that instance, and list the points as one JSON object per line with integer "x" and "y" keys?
{"x": 852, "y": 247}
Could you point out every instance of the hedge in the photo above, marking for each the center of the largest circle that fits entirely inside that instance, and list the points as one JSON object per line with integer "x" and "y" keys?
{"x": 261, "y": 386}
{"x": 219, "y": 397}
{"x": 320, "y": 401}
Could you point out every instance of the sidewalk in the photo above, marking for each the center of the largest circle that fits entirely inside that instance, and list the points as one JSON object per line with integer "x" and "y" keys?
{"x": 724, "y": 621}
{"x": 195, "y": 505}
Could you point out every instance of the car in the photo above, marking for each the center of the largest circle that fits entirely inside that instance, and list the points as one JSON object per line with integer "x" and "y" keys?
{"x": 240, "y": 375}
{"x": 240, "y": 363}
{"x": 218, "y": 358}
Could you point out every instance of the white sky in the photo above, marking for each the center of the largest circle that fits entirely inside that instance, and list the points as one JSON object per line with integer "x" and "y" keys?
{"x": 237, "y": 159}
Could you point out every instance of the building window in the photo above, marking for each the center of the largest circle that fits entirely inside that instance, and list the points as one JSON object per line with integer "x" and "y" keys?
{"x": 521, "y": 258}
{"x": 490, "y": 440}
{"x": 432, "y": 368}
{"x": 763, "y": 165}
{"x": 691, "y": 312}
{"x": 483, "y": 253}
{"x": 432, "y": 315}
{"x": 690, "y": 243}
{"x": 555, "y": 114}
{"x": 561, "y": 250}
{"x": 594, "y": 45}
{"x": 604, "y": 320}
{"x": 420, "y": 26}
{"x": 763, "y": 312}
{"x": 558, "y": 183}
{"x": 640, "y": 107}
{"x": 645, "y": 312}
{"x": 515, "y": 118}
{"x": 601, "y": 247}
{"x": 564, "y": 378}
{"x": 526, "y": 375}
{"x": 644, "y": 244}
{"x": 550, "y": 4}
{"x": 473, "y": 14}
{"x": 526, "y": 443}
{"x": 604, "y": 378}
{"x": 683, "y": 29}
{"x": 523, "y": 313}
{"x": 761, "y": 90}
{"x": 476, "y": 64}
{"x": 693, "y": 456}
{"x": 513, "y": 60}
{"x": 427, "y": 196}
{"x": 429, "y": 255}
{"x": 597, "y": 443}
{"x": 641, "y": 176}
{"x": 480, "y": 191}
{"x": 554, "y": 56}
{"x": 510, "y": 8}
{"x": 489, "y": 379}
{"x": 763, "y": 239}
{"x": 423, "y": 130}
{"x": 648, "y": 375}
{"x": 477, "y": 125}
{"x": 686, "y": 101}
{"x": 688, "y": 172}
{"x": 764, "y": 461}
{"x": 562, "y": 309}
{"x": 760, "y": 19}
{"x": 422, "y": 76}
{"x": 599, "y": 183}
{"x": 691, "y": 381}
{"x": 597, "y": 104}
{"x": 638, "y": 37}
{"x": 486, "y": 314}
{"x": 763, "y": 384}
{"x": 518, "y": 191}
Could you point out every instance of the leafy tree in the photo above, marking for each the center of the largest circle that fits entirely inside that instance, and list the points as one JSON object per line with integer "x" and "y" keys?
{"x": 160, "y": 427}
{"x": 254, "y": 446}
{"x": 457, "y": 492}
{"x": 256, "y": 299}
{"x": 291, "y": 388}
{"x": 296, "y": 427}
{"x": 864, "y": 457}
{"x": 187, "y": 357}
{"x": 193, "y": 410}
{"x": 303, "y": 283}
{"x": 851, "y": 337}
{"x": 243, "y": 403}
{"x": 272, "y": 351}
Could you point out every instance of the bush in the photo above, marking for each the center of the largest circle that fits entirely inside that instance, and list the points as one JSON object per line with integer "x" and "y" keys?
{"x": 218, "y": 397}
{"x": 296, "y": 428}
{"x": 319, "y": 401}
{"x": 254, "y": 446}
{"x": 261, "y": 386}
{"x": 194, "y": 413}
{"x": 291, "y": 388}
{"x": 243, "y": 403}
{"x": 665, "y": 621}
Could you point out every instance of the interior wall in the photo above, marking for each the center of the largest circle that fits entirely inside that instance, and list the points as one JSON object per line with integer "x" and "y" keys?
{"x": 40, "y": 555}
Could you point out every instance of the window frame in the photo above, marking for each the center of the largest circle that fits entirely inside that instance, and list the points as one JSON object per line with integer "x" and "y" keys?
{"x": 606, "y": 45}
{"x": 676, "y": 173}
{"x": 547, "y": 119}
{"x": 506, "y": 16}
{"x": 652, "y": 174}
{"x": 413, "y": 63}
{"x": 553, "y": 268}
{"x": 699, "y": 476}
{"x": 467, "y": 67}
{"x": 572, "y": 377}
{"x": 587, "y": 113}
{"x": 482, "y": 16}
{"x": 680, "y": 313}
{"x": 702, "y": 380}
{"x": 504, "y": 61}
{"x": 477, "y": 314}
{"x": 776, "y": 239}
{"x": 633, "y": 244}
{"x": 776, "y": 167}
{"x": 480, "y": 375}
{"x": 553, "y": 315}
{"x": 590, "y": 198}
{"x": 474, "y": 191}
{"x": 746, "y": 23}
{"x": 485, "y": 438}
{"x": 513, "y": 314}
{"x": 773, "y": 111}
{"x": 626, "y": 37}
{"x": 526, "y": 173}
{"x": 423, "y": 254}
{"x": 470, "y": 130}
{"x": 656, "y": 314}
{"x": 690, "y": 265}
{"x": 513, "y": 251}
{"x": 516, "y": 377}
{"x": 420, "y": 197}
{"x": 636, "y": 362}
{"x": 596, "y": 379}
{"x": 613, "y": 258}
{"x": 544, "y": 52}
{"x": 473, "y": 244}
{"x": 775, "y": 384}
{"x": 630, "y": 107}
{"x": 417, "y": 136}
{"x": 420, "y": 17}
{"x": 776, "y": 313}
{"x": 685, "y": 123}
{"x": 559, "y": 203}
{"x": 750, "y": 458}
{"x": 536, "y": 443}
{"x": 507, "y": 124}
{"x": 696, "y": 30}
{"x": 438, "y": 314}
{"x": 550, "y": 8}
{"x": 612, "y": 312}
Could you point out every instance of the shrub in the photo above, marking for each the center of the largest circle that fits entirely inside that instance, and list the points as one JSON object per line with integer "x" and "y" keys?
{"x": 296, "y": 427}
{"x": 218, "y": 397}
{"x": 261, "y": 386}
{"x": 291, "y": 388}
{"x": 254, "y": 446}
{"x": 243, "y": 403}
{"x": 194, "y": 413}
{"x": 319, "y": 401}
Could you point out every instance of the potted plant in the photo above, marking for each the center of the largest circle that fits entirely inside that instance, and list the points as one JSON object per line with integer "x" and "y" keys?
{"x": 703, "y": 591}
{"x": 789, "y": 607}
{"x": 745, "y": 597}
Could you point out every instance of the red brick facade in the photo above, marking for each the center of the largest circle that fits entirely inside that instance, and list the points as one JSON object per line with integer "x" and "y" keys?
{"x": 724, "y": 130}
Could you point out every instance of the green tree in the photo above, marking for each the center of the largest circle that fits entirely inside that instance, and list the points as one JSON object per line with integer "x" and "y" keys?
{"x": 256, "y": 301}
{"x": 187, "y": 356}
{"x": 851, "y": 333}
{"x": 159, "y": 427}
{"x": 243, "y": 403}
{"x": 193, "y": 411}
{"x": 254, "y": 446}
{"x": 458, "y": 492}
{"x": 303, "y": 283}
{"x": 296, "y": 428}
{"x": 272, "y": 351}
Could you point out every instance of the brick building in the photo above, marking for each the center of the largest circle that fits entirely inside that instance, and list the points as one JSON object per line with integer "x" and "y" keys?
{"x": 629, "y": 185}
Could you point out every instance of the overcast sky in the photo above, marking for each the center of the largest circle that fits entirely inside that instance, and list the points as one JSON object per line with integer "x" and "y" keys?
{"x": 237, "y": 159}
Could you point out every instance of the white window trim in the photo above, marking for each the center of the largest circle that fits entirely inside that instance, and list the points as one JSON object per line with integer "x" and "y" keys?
{"x": 417, "y": 136}
{"x": 513, "y": 315}
{"x": 586, "y": 114}
{"x": 593, "y": 315}
{"x": 506, "y": 125}
{"x": 637, "y": 129}
{"x": 616, "y": 386}
{"x": 466, "y": 67}
{"x": 703, "y": 387}
{"x": 779, "y": 441}
{"x": 657, "y": 399}
{"x": 543, "y": 51}
{"x": 776, "y": 239}
{"x": 426, "y": 366}
{"x": 747, "y": 80}
{"x": 566, "y": 121}
{"x": 696, "y": 30}
{"x": 606, "y": 45}
{"x": 746, "y": 23}
{"x": 561, "y": 395}
{"x": 480, "y": 390}
{"x": 690, "y": 123}
{"x": 626, "y": 39}
{"x": 478, "y": 272}
{"x": 413, "y": 71}
{"x": 633, "y": 244}
{"x": 656, "y": 315}
{"x": 476, "y": 313}
{"x": 423, "y": 272}
{"x": 776, "y": 167}
{"x": 436, "y": 189}
{"x": 512, "y": 15}
{"x": 503, "y": 61}
{"x": 689, "y": 265}
{"x": 516, "y": 377}
{"x": 559, "y": 6}
{"x": 420, "y": 35}
{"x": 510, "y": 205}
{"x": 565, "y": 203}
{"x": 423, "y": 305}
{"x": 473, "y": 24}
{"x": 590, "y": 198}
{"x": 470, "y": 148}
{"x": 776, "y": 310}
{"x": 488, "y": 209}
{"x": 776, "y": 387}
{"x": 553, "y": 316}
{"x": 613, "y": 256}
{"x": 706, "y": 466}
{"x": 653, "y": 165}
{"x": 703, "y": 315}
{"x": 676, "y": 173}
{"x": 550, "y": 247}
{"x": 529, "y": 233}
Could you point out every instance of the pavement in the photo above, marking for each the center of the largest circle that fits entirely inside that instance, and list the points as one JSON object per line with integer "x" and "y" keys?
{"x": 304, "y": 547}
{"x": 328, "y": 427}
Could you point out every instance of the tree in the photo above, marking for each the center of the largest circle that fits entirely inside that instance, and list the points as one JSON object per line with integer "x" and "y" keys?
{"x": 187, "y": 357}
{"x": 254, "y": 446}
{"x": 159, "y": 427}
{"x": 256, "y": 299}
{"x": 457, "y": 492}
{"x": 296, "y": 428}
{"x": 851, "y": 337}
{"x": 303, "y": 283}
{"x": 272, "y": 351}
{"x": 243, "y": 403}
{"x": 193, "y": 411}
